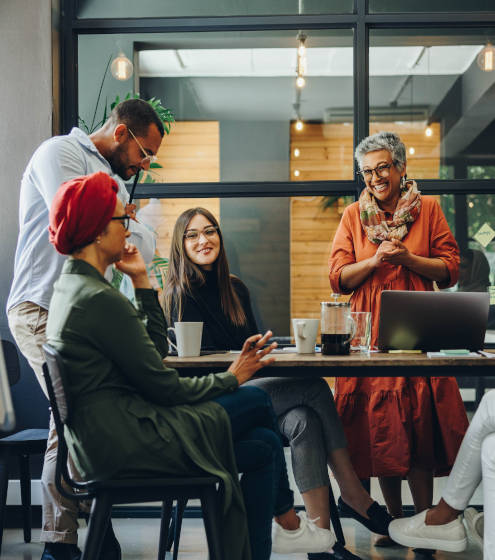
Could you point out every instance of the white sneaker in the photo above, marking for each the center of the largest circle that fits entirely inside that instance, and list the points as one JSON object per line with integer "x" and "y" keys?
{"x": 412, "y": 531}
{"x": 475, "y": 522}
{"x": 308, "y": 537}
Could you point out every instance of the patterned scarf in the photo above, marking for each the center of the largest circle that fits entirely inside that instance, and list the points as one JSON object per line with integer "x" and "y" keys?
{"x": 373, "y": 220}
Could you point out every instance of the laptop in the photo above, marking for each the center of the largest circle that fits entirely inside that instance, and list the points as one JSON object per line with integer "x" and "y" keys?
{"x": 432, "y": 321}
{"x": 7, "y": 418}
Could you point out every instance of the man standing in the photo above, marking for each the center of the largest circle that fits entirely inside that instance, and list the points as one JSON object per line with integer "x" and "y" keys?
{"x": 125, "y": 144}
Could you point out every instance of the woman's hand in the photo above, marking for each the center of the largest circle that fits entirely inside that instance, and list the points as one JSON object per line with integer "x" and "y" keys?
{"x": 398, "y": 253}
{"x": 249, "y": 360}
{"x": 130, "y": 210}
{"x": 132, "y": 264}
{"x": 385, "y": 250}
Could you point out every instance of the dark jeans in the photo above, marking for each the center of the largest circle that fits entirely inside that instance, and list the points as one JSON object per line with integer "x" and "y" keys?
{"x": 260, "y": 458}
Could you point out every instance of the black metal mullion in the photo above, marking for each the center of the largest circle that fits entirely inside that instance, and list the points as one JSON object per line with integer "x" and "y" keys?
{"x": 361, "y": 79}
{"x": 199, "y": 24}
{"x": 68, "y": 66}
{"x": 248, "y": 189}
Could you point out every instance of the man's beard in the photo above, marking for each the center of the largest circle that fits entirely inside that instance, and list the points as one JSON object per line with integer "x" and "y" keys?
{"x": 118, "y": 161}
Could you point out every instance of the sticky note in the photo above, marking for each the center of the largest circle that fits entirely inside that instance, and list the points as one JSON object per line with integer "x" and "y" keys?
{"x": 485, "y": 234}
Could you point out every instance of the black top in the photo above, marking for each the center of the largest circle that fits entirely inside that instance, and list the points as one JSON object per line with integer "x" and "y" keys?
{"x": 204, "y": 304}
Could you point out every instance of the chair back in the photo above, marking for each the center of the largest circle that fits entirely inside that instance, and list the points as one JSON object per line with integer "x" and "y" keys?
{"x": 55, "y": 379}
{"x": 11, "y": 362}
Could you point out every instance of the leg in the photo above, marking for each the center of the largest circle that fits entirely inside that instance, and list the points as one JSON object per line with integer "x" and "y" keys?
{"x": 25, "y": 495}
{"x": 27, "y": 322}
{"x": 352, "y": 491}
{"x": 421, "y": 485}
{"x": 488, "y": 469}
{"x": 391, "y": 490}
{"x": 309, "y": 461}
{"x": 466, "y": 472}
{"x": 249, "y": 408}
{"x": 255, "y": 460}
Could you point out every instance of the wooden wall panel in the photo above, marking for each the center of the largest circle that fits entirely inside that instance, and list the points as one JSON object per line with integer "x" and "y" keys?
{"x": 191, "y": 153}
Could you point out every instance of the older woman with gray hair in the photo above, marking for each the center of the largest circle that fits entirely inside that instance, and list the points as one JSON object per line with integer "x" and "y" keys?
{"x": 394, "y": 238}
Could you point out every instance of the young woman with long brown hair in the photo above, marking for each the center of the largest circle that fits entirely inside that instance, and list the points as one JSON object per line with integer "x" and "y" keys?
{"x": 199, "y": 287}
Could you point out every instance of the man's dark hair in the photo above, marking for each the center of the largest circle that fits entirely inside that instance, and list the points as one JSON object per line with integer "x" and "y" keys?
{"x": 137, "y": 115}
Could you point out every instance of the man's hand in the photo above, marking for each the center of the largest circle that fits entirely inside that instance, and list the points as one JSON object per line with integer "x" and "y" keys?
{"x": 130, "y": 210}
{"x": 132, "y": 264}
{"x": 249, "y": 360}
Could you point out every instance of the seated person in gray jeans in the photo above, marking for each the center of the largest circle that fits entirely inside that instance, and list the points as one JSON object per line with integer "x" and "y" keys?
{"x": 199, "y": 287}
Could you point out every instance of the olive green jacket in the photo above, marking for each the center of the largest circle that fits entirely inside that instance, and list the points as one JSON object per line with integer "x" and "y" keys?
{"x": 130, "y": 414}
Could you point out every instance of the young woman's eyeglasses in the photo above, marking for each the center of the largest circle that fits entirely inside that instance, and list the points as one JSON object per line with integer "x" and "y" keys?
{"x": 382, "y": 171}
{"x": 147, "y": 157}
{"x": 208, "y": 232}
{"x": 124, "y": 220}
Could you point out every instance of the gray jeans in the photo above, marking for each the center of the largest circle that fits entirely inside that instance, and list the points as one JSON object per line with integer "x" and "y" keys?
{"x": 27, "y": 322}
{"x": 309, "y": 421}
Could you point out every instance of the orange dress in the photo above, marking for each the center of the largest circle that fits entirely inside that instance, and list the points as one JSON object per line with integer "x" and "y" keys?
{"x": 393, "y": 423}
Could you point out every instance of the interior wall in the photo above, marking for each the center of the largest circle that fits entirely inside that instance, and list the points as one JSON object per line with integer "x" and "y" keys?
{"x": 26, "y": 99}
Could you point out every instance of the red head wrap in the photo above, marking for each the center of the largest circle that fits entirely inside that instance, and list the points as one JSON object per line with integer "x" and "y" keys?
{"x": 80, "y": 211}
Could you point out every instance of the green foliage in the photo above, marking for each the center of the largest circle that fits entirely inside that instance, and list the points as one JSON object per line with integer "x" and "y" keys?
{"x": 331, "y": 201}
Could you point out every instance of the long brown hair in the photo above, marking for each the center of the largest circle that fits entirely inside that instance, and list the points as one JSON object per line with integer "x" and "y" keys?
{"x": 183, "y": 275}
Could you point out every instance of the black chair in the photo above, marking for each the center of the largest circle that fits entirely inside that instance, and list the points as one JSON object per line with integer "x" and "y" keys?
{"x": 22, "y": 445}
{"x": 106, "y": 493}
{"x": 178, "y": 513}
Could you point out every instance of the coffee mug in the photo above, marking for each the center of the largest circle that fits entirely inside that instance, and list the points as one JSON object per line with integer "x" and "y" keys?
{"x": 305, "y": 331}
{"x": 188, "y": 338}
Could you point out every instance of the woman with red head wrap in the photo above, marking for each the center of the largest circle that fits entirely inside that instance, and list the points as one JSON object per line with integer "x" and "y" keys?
{"x": 131, "y": 415}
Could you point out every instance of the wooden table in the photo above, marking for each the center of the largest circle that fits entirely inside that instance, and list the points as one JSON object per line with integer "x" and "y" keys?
{"x": 354, "y": 365}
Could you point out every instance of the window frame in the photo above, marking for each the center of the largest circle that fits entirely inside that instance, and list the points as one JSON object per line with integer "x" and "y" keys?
{"x": 360, "y": 22}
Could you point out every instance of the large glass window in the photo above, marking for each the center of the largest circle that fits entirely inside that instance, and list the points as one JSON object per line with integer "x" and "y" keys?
{"x": 188, "y": 8}
{"x": 240, "y": 111}
{"x": 428, "y": 85}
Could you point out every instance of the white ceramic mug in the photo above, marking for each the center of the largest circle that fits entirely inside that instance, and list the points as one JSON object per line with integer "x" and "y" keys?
{"x": 305, "y": 331}
{"x": 188, "y": 338}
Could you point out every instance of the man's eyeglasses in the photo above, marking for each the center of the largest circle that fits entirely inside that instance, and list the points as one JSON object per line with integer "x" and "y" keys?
{"x": 147, "y": 157}
{"x": 382, "y": 171}
{"x": 124, "y": 220}
{"x": 208, "y": 232}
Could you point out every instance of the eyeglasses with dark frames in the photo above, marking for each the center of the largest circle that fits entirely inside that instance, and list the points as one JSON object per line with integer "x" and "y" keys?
{"x": 147, "y": 157}
{"x": 124, "y": 220}
{"x": 208, "y": 232}
{"x": 382, "y": 171}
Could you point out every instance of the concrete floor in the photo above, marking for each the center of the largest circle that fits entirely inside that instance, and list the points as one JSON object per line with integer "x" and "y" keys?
{"x": 139, "y": 541}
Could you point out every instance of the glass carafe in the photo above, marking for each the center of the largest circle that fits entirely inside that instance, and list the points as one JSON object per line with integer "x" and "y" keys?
{"x": 337, "y": 327}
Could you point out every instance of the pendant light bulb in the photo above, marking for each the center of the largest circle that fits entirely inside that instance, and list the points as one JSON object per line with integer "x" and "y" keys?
{"x": 297, "y": 152}
{"x": 486, "y": 58}
{"x": 121, "y": 67}
{"x": 299, "y": 124}
{"x": 300, "y": 82}
{"x": 412, "y": 151}
{"x": 428, "y": 131}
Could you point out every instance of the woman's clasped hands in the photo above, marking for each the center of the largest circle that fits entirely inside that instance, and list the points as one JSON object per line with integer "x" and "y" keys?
{"x": 392, "y": 252}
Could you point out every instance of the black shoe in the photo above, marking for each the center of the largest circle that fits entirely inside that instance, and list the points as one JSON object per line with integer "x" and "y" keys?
{"x": 423, "y": 553}
{"x": 339, "y": 553}
{"x": 61, "y": 551}
{"x": 110, "y": 549}
{"x": 379, "y": 518}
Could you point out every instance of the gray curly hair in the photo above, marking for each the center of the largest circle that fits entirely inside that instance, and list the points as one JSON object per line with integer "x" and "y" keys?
{"x": 382, "y": 141}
